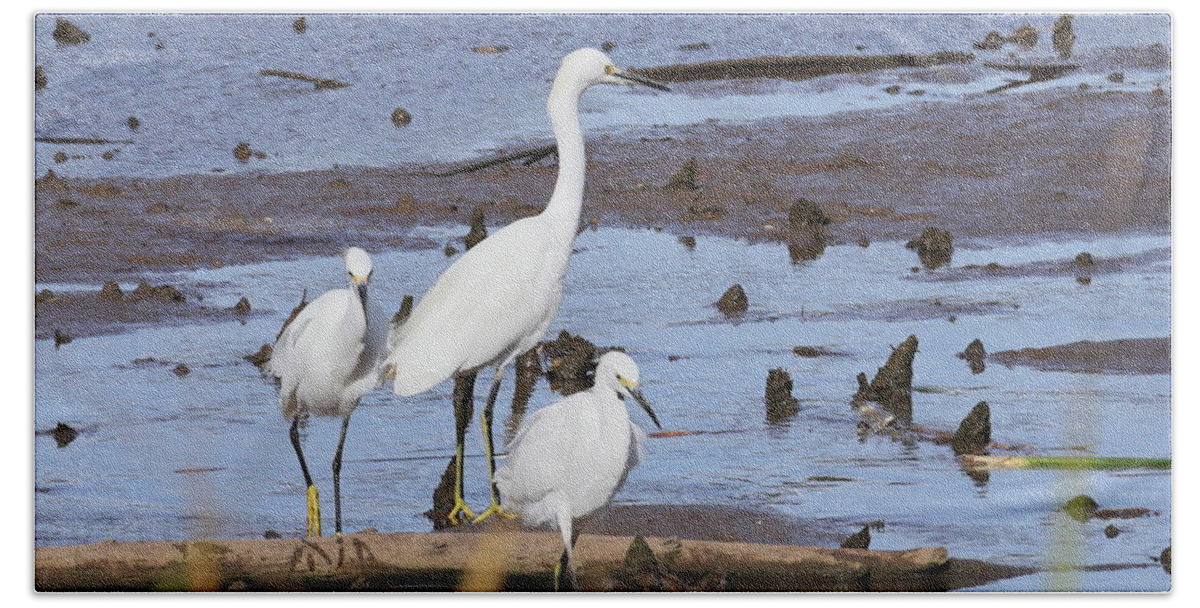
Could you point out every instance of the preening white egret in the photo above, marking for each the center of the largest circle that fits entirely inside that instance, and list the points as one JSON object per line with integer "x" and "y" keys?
{"x": 499, "y": 298}
{"x": 326, "y": 359}
{"x": 569, "y": 458}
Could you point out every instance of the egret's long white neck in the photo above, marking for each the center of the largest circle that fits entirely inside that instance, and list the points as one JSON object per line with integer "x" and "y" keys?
{"x": 563, "y": 107}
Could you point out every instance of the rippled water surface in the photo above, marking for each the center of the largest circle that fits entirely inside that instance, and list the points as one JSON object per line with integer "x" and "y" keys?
{"x": 164, "y": 457}
{"x": 201, "y": 93}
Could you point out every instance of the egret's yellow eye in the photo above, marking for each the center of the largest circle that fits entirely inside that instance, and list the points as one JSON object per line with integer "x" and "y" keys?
{"x": 611, "y": 69}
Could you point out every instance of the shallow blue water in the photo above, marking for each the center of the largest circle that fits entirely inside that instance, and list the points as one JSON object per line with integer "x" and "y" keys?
{"x": 201, "y": 94}
{"x": 167, "y": 457}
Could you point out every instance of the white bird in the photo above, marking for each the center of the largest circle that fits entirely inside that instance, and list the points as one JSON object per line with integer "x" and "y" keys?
{"x": 570, "y": 458}
{"x": 500, "y": 297}
{"x": 326, "y": 359}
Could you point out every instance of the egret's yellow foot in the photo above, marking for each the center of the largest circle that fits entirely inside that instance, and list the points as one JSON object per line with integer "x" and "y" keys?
{"x": 564, "y": 581}
{"x": 495, "y": 509}
{"x": 314, "y": 512}
{"x": 460, "y": 513}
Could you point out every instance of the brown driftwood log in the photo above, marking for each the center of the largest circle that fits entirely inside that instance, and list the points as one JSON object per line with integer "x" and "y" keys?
{"x": 501, "y": 557}
{"x": 797, "y": 68}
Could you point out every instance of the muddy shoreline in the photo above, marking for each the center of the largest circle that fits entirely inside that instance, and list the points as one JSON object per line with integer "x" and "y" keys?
{"x": 1130, "y": 356}
{"x": 1028, "y": 164}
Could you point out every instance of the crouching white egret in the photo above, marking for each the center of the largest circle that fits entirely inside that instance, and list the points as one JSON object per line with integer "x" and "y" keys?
{"x": 570, "y": 458}
{"x": 326, "y": 359}
{"x": 498, "y": 299}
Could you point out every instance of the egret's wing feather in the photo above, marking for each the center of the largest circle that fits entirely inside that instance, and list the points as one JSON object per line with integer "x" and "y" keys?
{"x": 316, "y": 356}
{"x": 537, "y": 457}
{"x": 475, "y": 312}
{"x": 284, "y": 354}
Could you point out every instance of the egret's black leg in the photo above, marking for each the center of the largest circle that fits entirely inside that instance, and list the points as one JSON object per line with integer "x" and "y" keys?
{"x": 295, "y": 434}
{"x": 564, "y": 572}
{"x": 314, "y": 498}
{"x": 489, "y": 449}
{"x": 337, "y": 478}
{"x": 464, "y": 409}
{"x": 487, "y": 435}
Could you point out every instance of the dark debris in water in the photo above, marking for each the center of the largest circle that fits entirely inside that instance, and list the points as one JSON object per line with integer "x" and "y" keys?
{"x": 62, "y": 433}
{"x": 858, "y": 540}
{"x": 733, "y": 302}
{"x": 111, "y": 291}
{"x": 974, "y": 355}
{"x": 781, "y": 405}
{"x": 67, "y": 33}
{"x": 1084, "y": 266}
{"x": 163, "y": 293}
{"x": 816, "y": 351}
{"x": 570, "y": 362}
{"x": 61, "y": 338}
{"x": 892, "y": 386}
{"x": 478, "y": 230}
{"x": 974, "y": 434}
{"x": 806, "y": 243}
{"x": 934, "y": 247}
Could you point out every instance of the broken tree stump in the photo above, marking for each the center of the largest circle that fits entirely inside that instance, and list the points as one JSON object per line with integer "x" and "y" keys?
{"x": 974, "y": 434}
{"x": 892, "y": 386}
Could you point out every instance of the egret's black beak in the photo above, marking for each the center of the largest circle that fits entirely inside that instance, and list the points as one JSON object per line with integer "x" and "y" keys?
{"x": 636, "y": 393}
{"x": 644, "y": 81}
{"x": 362, "y": 295}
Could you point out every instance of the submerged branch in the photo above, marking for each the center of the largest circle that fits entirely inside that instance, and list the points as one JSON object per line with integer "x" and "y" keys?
{"x": 797, "y": 68}
{"x": 320, "y": 83}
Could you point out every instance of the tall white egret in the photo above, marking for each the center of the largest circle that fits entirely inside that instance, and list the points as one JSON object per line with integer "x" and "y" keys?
{"x": 570, "y": 458}
{"x": 326, "y": 359}
{"x": 499, "y": 298}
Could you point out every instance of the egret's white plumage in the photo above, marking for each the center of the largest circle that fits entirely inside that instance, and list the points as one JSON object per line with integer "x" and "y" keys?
{"x": 328, "y": 357}
{"x": 499, "y": 299}
{"x": 495, "y": 302}
{"x": 570, "y": 458}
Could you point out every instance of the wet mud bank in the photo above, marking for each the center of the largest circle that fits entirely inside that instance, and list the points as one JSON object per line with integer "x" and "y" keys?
{"x": 65, "y": 316}
{"x": 1132, "y": 356}
{"x": 1029, "y": 163}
